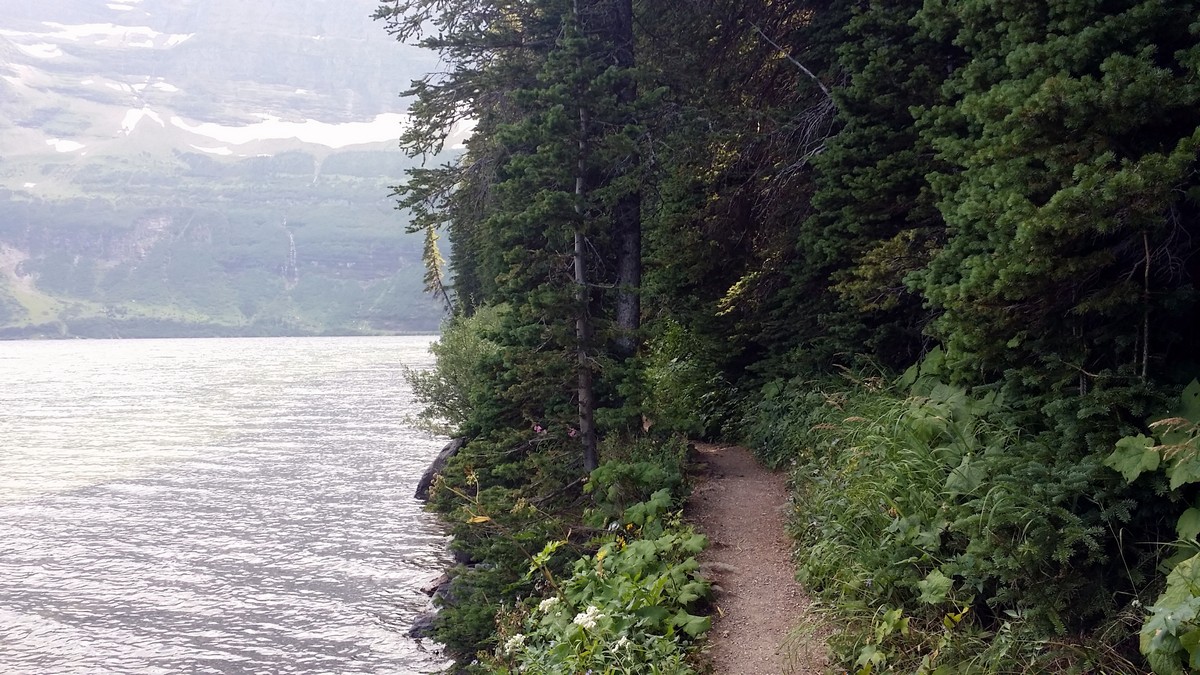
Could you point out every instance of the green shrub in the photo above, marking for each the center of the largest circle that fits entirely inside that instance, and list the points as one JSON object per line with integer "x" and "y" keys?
{"x": 632, "y": 471}
{"x": 507, "y": 495}
{"x": 449, "y": 390}
{"x": 944, "y": 534}
{"x": 687, "y": 392}
{"x": 502, "y": 497}
{"x": 626, "y": 609}
{"x": 1170, "y": 636}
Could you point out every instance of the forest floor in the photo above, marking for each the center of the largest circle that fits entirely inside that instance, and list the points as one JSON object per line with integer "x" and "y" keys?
{"x": 764, "y": 623}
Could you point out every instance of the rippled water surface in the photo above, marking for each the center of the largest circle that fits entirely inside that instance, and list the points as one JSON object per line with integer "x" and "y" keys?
{"x": 212, "y": 506}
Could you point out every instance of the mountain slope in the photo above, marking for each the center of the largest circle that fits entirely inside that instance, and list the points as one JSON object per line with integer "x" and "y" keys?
{"x": 203, "y": 167}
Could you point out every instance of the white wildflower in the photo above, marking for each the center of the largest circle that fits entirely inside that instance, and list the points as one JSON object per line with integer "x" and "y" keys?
{"x": 621, "y": 643}
{"x": 588, "y": 617}
{"x": 514, "y": 644}
{"x": 548, "y": 604}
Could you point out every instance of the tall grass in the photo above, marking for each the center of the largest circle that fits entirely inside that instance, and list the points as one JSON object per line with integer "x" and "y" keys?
{"x": 942, "y": 536}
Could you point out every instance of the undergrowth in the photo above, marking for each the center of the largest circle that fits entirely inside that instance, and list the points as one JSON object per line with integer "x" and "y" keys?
{"x": 628, "y": 608}
{"x": 609, "y": 555}
{"x": 562, "y": 572}
{"x": 944, "y": 536}
{"x": 1170, "y": 636}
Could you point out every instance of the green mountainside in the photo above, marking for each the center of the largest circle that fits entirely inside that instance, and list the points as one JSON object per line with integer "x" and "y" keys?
{"x": 203, "y": 168}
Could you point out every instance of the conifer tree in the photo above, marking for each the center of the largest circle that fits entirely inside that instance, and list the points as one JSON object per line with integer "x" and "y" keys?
{"x": 543, "y": 209}
{"x": 1071, "y": 132}
{"x": 749, "y": 83}
{"x": 616, "y": 32}
{"x": 874, "y": 221}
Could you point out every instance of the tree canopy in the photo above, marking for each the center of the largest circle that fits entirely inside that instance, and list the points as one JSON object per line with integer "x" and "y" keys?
{"x": 699, "y": 217}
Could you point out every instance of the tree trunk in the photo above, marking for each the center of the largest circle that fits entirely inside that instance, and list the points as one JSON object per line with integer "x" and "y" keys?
{"x": 583, "y": 335}
{"x": 627, "y": 213}
{"x": 583, "y": 324}
{"x": 629, "y": 274}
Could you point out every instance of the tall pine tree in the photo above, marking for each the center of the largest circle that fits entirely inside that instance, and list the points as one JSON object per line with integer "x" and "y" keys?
{"x": 1071, "y": 133}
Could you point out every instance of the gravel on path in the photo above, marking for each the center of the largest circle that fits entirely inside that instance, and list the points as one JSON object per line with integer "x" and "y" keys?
{"x": 763, "y": 624}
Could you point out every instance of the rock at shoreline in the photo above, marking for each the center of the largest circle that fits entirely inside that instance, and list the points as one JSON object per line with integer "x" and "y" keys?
{"x": 435, "y": 584}
{"x": 436, "y": 468}
{"x": 462, "y": 557}
{"x": 422, "y": 626}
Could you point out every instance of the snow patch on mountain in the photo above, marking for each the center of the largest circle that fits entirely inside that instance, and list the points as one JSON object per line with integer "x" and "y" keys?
{"x": 133, "y": 116}
{"x": 385, "y": 127}
{"x": 105, "y": 34}
{"x": 223, "y": 151}
{"x": 63, "y": 145}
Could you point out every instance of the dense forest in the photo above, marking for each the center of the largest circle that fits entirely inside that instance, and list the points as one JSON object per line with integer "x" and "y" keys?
{"x": 938, "y": 259}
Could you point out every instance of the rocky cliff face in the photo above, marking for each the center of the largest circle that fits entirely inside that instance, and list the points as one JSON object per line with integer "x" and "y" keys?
{"x": 212, "y": 166}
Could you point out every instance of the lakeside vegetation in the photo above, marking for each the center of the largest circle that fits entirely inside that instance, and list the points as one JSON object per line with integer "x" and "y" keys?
{"x": 937, "y": 259}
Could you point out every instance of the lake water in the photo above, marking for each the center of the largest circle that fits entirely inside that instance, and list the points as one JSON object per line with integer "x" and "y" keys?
{"x": 212, "y": 506}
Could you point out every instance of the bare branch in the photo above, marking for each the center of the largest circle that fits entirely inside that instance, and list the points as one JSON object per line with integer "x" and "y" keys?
{"x": 796, "y": 63}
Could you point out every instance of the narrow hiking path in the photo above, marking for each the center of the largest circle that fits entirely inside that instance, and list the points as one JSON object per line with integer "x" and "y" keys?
{"x": 743, "y": 508}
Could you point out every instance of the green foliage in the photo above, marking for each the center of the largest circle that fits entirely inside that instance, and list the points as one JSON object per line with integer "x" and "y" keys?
{"x": 936, "y": 510}
{"x": 633, "y": 471}
{"x": 1134, "y": 454}
{"x": 832, "y": 191}
{"x": 873, "y": 221}
{"x": 1071, "y": 134}
{"x": 688, "y": 393}
{"x": 482, "y": 495}
{"x": 448, "y": 389}
{"x": 527, "y": 543}
{"x": 1170, "y": 636}
{"x": 629, "y": 608}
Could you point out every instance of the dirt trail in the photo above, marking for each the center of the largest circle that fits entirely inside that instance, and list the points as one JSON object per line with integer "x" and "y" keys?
{"x": 763, "y": 625}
